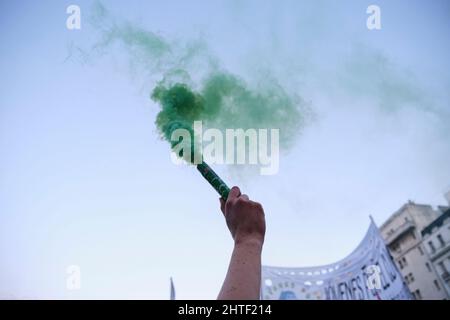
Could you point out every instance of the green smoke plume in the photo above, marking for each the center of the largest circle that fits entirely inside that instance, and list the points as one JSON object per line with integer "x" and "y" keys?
{"x": 195, "y": 87}
{"x": 225, "y": 101}
{"x": 180, "y": 108}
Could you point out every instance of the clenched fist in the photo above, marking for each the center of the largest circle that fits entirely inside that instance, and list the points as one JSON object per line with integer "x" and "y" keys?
{"x": 245, "y": 218}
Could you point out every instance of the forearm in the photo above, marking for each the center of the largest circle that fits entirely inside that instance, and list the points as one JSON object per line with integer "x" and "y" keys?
{"x": 243, "y": 279}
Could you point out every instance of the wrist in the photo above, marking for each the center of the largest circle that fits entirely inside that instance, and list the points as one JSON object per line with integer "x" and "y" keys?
{"x": 251, "y": 241}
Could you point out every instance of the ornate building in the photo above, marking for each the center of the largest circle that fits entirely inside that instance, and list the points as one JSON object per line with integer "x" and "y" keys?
{"x": 436, "y": 239}
{"x": 402, "y": 233}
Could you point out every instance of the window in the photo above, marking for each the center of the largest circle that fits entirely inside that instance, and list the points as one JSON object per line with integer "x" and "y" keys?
{"x": 402, "y": 262}
{"x": 420, "y": 250}
{"x": 441, "y": 241}
{"x": 409, "y": 278}
{"x": 436, "y": 283}
{"x": 442, "y": 266}
{"x": 428, "y": 266}
{"x": 395, "y": 247}
{"x": 431, "y": 245}
{"x": 405, "y": 263}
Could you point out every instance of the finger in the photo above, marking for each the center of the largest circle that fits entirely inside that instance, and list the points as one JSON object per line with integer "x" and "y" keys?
{"x": 222, "y": 205}
{"x": 234, "y": 193}
{"x": 244, "y": 196}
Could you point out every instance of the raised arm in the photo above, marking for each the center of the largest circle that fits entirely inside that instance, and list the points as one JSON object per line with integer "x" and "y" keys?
{"x": 245, "y": 220}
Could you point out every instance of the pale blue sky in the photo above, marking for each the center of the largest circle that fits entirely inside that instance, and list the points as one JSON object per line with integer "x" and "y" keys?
{"x": 85, "y": 180}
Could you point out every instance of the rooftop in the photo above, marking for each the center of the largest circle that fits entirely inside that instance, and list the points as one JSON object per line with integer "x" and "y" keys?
{"x": 399, "y": 211}
{"x": 436, "y": 223}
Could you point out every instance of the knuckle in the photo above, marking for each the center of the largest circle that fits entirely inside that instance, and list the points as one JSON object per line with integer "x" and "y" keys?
{"x": 239, "y": 202}
{"x": 230, "y": 203}
{"x": 258, "y": 206}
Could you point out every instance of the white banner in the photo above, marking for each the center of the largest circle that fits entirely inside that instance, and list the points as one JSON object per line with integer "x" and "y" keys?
{"x": 368, "y": 273}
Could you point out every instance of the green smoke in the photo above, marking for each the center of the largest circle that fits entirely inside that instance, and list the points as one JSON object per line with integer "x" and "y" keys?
{"x": 193, "y": 86}
{"x": 180, "y": 107}
{"x": 225, "y": 101}
{"x": 231, "y": 103}
{"x": 371, "y": 74}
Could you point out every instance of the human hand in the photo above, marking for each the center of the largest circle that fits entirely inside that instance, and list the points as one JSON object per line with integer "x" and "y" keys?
{"x": 244, "y": 217}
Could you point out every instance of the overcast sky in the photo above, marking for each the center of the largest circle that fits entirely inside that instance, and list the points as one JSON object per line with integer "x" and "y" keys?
{"x": 85, "y": 180}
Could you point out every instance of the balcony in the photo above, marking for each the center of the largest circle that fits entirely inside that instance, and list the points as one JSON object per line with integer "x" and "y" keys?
{"x": 446, "y": 276}
{"x": 439, "y": 252}
{"x": 399, "y": 232}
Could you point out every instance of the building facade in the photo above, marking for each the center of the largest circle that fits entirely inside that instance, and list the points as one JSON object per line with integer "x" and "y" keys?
{"x": 436, "y": 240}
{"x": 402, "y": 233}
